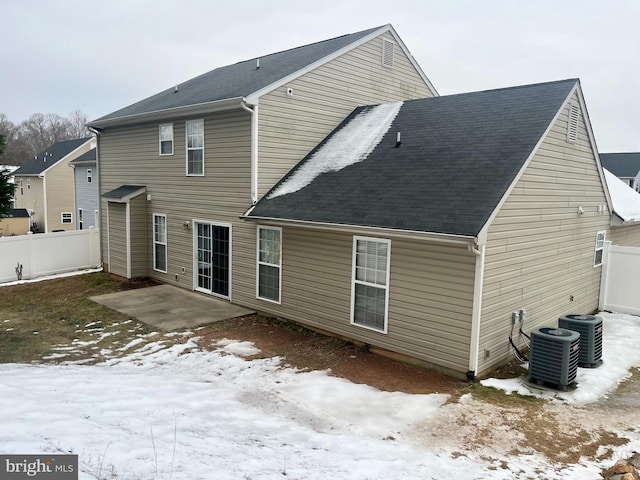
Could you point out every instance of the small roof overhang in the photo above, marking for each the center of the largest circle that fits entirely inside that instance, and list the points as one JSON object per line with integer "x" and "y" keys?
{"x": 124, "y": 193}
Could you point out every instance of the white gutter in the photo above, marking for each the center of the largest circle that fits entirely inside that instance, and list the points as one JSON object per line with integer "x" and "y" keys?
{"x": 361, "y": 229}
{"x": 46, "y": 212}
{"x": 197, "y": 109}
{"x": 476, "y": 312}
{"x": 254, "y": 149}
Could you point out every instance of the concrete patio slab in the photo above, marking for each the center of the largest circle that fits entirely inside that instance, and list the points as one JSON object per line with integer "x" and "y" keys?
{"x": 170, "y": 308}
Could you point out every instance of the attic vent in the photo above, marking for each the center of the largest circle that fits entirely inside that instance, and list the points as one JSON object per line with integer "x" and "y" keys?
{"x": 387, "y": 53}
{"x": 572, "y": 125}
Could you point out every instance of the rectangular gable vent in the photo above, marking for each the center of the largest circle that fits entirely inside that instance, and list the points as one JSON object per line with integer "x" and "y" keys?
{"x": 387, "y": 53}
{"x": 572, "y": 126}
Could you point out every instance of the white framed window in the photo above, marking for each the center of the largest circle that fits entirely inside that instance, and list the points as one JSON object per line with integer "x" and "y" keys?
{"x": 166, "y": 139}
{"x": 195, "y": 147}
{"x": 269, "y": 269}
{"x": 66, "y": 217}
{"x": 370, "y": 283}
{"x": 601, "y": 236}
{"x": 89, "y": 175}
{"x": 21, "y": 187}
{"x": 28, "y": 184}
{"x": 80, "y": 219}
{"x": 160, "y": 242}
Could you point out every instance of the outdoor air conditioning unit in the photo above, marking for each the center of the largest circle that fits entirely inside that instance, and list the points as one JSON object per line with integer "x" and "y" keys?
{"x": 553, "y": 356}
{"x": 590, "y": 329}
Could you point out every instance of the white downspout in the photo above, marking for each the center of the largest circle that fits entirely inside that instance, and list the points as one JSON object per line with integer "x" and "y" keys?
{"x": 46, "y": 213}
{"x": 254, "y": 149}
{"x": 476, "y": 314}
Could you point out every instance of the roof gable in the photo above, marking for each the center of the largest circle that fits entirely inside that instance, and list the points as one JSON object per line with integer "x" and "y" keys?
{"x": 457, "y": 158}
{"x": 88, "y": 157}
{"x": 626, "y": 165}
{"x": 240, "y": 79}
{"x": 49, "y": 157}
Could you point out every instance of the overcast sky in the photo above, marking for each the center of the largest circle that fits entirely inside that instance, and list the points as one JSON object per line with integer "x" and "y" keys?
{"x": 99, "y": 56}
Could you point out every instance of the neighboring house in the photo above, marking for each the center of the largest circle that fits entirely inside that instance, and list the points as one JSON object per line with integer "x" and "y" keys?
{"x": 85, "y": 176}
{"x": 625, "y": 221}
{"x": 625, "y": 166}
{"x": 18, "y": 222}
{"x": 376, "y": 235}
{"x": 45, "y": 185}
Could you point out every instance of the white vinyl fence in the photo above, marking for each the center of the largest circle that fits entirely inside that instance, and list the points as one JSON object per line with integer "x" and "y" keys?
{"x": 48, "y": 253}
{"x": 620, "y": 284}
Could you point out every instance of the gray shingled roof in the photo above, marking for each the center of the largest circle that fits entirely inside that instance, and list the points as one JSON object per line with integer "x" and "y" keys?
{"x": 122, "y": 192}
{"x": 625, "y": 165}
{"x": 458, "y": 156}
{"x": 240, "y": 79}
{"x": 49, "y": 157}
{"x": 87, "y": 157}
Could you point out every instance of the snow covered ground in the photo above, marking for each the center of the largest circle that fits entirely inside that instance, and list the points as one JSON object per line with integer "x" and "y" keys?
{"x": 177, "y": 412}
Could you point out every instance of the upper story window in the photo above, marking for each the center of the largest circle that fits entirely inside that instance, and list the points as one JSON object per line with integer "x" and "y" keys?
{"x": 195, "y": 147}
{"x": 387, "y": 53}
{"x": 28, "y": 184}
{"x": 166, "y": 139}
{"x": 21, "y": 187}
{"x": 89, "y": 175}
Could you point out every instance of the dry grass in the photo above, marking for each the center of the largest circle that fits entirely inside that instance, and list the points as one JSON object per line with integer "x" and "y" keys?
{"x": 36, "y": 319}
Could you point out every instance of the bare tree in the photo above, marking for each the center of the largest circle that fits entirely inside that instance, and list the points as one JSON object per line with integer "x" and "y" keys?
{"x": 78, "y": 121}
{"x": 43, "y": 130}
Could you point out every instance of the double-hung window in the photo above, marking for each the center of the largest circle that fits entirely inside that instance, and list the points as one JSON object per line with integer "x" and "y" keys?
{"x": 195, "y": 147}
{"x": 66, "y": 217}
{"x": 269, "y": 279}
{"x": 370, "y": 283}
{"x": 160, "y": 242}
{"x": 166, "y": 139}
{"x": 89, "y": 175}
{"x": 601, "y": 236}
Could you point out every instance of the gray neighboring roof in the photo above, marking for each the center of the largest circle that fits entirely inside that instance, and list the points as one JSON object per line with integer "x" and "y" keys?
{"x": 124, "y": 193}
{"x": 625, "y": 165}
{"x": 459, "y": 155}
{"x": 238, "y": 80}
{"x": 86, "y": 158}
{"x": 49, "y": 157}
{"x": 18, "y": 213}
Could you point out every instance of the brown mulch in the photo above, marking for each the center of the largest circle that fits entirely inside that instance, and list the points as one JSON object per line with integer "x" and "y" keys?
{"x": 308, "y": 350}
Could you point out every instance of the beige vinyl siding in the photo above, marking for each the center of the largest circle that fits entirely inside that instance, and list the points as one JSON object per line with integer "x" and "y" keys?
{"x": 539, "y": 251}
{"x": 138, "y": 234}
{"x": 130, "y": 156}
{"x": 628, "y": 235}
{"x": 33, "y": 198}
{"x": 290, "y": 126}
{"x": 116, "y": 252}
{"x": 430, "y": 293}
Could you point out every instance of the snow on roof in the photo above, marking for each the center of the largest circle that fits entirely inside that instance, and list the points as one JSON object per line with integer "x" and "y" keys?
{"x": 626, "y": 201}
{"x": 351, "y": 144}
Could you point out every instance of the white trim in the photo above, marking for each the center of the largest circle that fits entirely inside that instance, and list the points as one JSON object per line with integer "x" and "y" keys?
{"x": 160, "y": 139}
{"x": 476, "y": 315}
{"x": 62, "y": 160}
{"x": 44, "y": 204}
{"x": 70, "y": 214}
{"x": 165, "y": 243}
{"x": 184, "y": 110}
{"x": 387, "y": 241}
{"x": 365, "y": 230}
{"x": 195, "y": 257}
{"x": 525, "y": 165}
{"x": 186, "y": 146}
{"x": 258, "y": 263}
{"x": 127, "y": 226}
{"x": 108, "y": 238}
{"x": 80, "y": 219}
